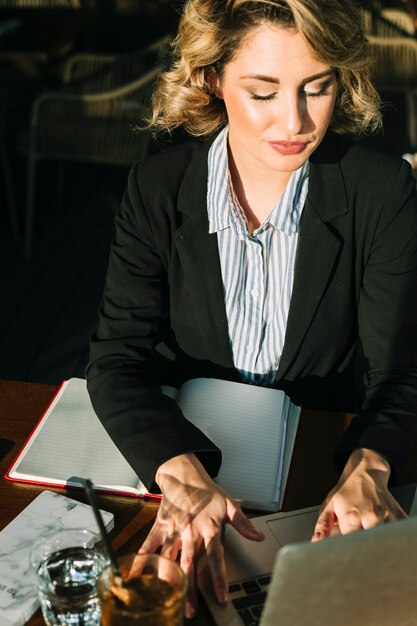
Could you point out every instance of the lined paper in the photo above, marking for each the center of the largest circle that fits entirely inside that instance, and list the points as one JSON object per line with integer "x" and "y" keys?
{"x": 254, "y": 427}
{"x": 249, "y": 424}
{"x": 73, "y": 443}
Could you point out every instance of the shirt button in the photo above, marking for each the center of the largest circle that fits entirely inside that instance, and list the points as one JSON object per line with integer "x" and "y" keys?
{"x": 255, "y": 293}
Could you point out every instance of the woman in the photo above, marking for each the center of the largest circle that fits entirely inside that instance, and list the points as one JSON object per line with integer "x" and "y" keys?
{"x": 275, "y": 251}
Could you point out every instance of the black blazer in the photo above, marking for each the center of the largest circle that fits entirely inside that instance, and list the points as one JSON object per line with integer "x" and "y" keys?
{"x": 353, "y": 306}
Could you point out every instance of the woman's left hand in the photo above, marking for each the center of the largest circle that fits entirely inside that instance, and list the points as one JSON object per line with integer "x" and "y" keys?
{"x": 360, "y": 499}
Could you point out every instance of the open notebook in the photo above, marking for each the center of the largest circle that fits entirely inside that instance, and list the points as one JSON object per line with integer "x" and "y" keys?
{"x": 255, "y": 427}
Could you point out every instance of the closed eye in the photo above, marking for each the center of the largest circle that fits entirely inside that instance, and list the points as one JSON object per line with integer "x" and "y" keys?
{"x": 323, "y": 91}
{"x": 266, "y": 98}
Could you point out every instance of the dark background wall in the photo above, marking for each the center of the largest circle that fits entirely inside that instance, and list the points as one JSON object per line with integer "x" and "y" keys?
{"x": 48, "y": 304}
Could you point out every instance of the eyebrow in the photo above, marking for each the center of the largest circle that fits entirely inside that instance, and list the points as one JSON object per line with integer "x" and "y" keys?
{"x": 276, "y": 81}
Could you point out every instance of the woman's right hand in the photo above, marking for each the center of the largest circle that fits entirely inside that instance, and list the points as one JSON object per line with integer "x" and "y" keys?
{"x": 191, "y": 519}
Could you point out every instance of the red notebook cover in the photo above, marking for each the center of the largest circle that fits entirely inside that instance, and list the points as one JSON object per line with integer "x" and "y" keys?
{"x": 59, "y": 483}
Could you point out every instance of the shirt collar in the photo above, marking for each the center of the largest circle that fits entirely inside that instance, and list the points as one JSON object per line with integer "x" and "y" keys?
{"x": 218, "y": 190}
{"x": 221, "y": 199}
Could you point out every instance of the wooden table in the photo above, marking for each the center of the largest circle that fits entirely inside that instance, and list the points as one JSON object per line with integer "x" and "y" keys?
{"x": 21, "y": 404}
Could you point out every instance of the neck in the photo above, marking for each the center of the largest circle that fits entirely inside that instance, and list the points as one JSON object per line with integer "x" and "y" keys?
{"x": 257, "y": 194}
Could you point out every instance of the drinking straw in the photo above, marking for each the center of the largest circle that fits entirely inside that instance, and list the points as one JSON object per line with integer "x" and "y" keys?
{"x": 104, "y": 536}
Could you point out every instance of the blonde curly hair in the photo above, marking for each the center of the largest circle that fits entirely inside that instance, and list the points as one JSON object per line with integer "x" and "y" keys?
{"x": 212, "y": 31}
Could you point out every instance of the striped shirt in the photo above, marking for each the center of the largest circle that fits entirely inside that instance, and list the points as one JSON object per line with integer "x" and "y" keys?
{"x": 257, "y": 269}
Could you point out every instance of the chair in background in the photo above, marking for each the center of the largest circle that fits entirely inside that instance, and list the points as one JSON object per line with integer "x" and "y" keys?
{"x": 389, "y": 23}
{"x": 394, "y": 70}
{"x": 401, "y": 18}
{"x": 412, "y": 8}
{"x": 92, "y": 118}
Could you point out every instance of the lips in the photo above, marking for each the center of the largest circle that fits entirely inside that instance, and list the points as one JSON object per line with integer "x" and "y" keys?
{"x": 288, "y": 147}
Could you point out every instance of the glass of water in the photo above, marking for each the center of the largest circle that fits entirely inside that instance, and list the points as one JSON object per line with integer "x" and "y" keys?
{"x": 67, "y": 564}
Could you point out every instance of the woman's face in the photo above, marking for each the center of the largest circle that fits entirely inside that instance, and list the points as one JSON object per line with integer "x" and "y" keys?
{"x": 279, "y": 101}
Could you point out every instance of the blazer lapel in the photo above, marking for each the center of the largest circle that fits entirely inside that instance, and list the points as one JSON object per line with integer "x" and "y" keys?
{"x": 198, "y": 251}
{"x": 318, "y": 249}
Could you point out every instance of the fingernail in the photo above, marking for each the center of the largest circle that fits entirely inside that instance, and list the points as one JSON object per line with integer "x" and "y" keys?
{"x": 317, "y": 536}
{"x": 222, "y": 596}
{"x": 255, "y": 530}
{"x": 190, "y": 611}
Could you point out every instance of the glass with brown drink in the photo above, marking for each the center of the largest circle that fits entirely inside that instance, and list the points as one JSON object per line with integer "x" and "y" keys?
{"x": 150, "y": 593}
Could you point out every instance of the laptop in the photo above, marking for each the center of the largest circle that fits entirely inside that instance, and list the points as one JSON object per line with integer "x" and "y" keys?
{"x": 361, "y": 579}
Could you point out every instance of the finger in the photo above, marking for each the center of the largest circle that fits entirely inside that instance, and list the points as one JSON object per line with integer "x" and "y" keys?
{"x": 373, "y": 518}
{"x": 324, "y": 525}
{"x": 137, "y": 566}
{"x": 335, "y": 531}
{"x": 153, "y": 541}
{"x": 217, "y": 565}
{"x": 241, "y": 523}
{"x": 350, "y": 521}
{"x": 189, "y": 555}
{"x": 171, "y": 547}
{"x": 191, "y": 600}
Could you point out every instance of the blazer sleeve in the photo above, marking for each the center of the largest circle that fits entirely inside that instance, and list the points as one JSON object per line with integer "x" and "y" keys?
{"x": 122, "y": 374}
{"x": 387, "y": 321}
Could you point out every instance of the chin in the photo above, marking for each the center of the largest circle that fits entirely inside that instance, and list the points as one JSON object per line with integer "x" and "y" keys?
{"x": 289, "y": 163}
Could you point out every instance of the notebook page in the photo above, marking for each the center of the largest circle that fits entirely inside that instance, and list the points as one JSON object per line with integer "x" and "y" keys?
{"x": 292, "y": 425}
{"x": 279, "y": 485}
{"x": 73, "y": 442}
{"x": 171, "y": 392}
{"x": 244, "y": 421}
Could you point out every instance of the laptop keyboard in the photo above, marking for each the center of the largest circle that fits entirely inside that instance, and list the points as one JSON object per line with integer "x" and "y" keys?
{"x": 248, "y": 598}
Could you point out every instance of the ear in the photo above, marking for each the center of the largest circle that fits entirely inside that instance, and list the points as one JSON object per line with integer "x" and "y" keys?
{"x": 214, "y": 83}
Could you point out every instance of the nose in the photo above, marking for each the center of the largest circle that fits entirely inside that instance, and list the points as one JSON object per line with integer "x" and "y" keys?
{"x": 292, "y": 113}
